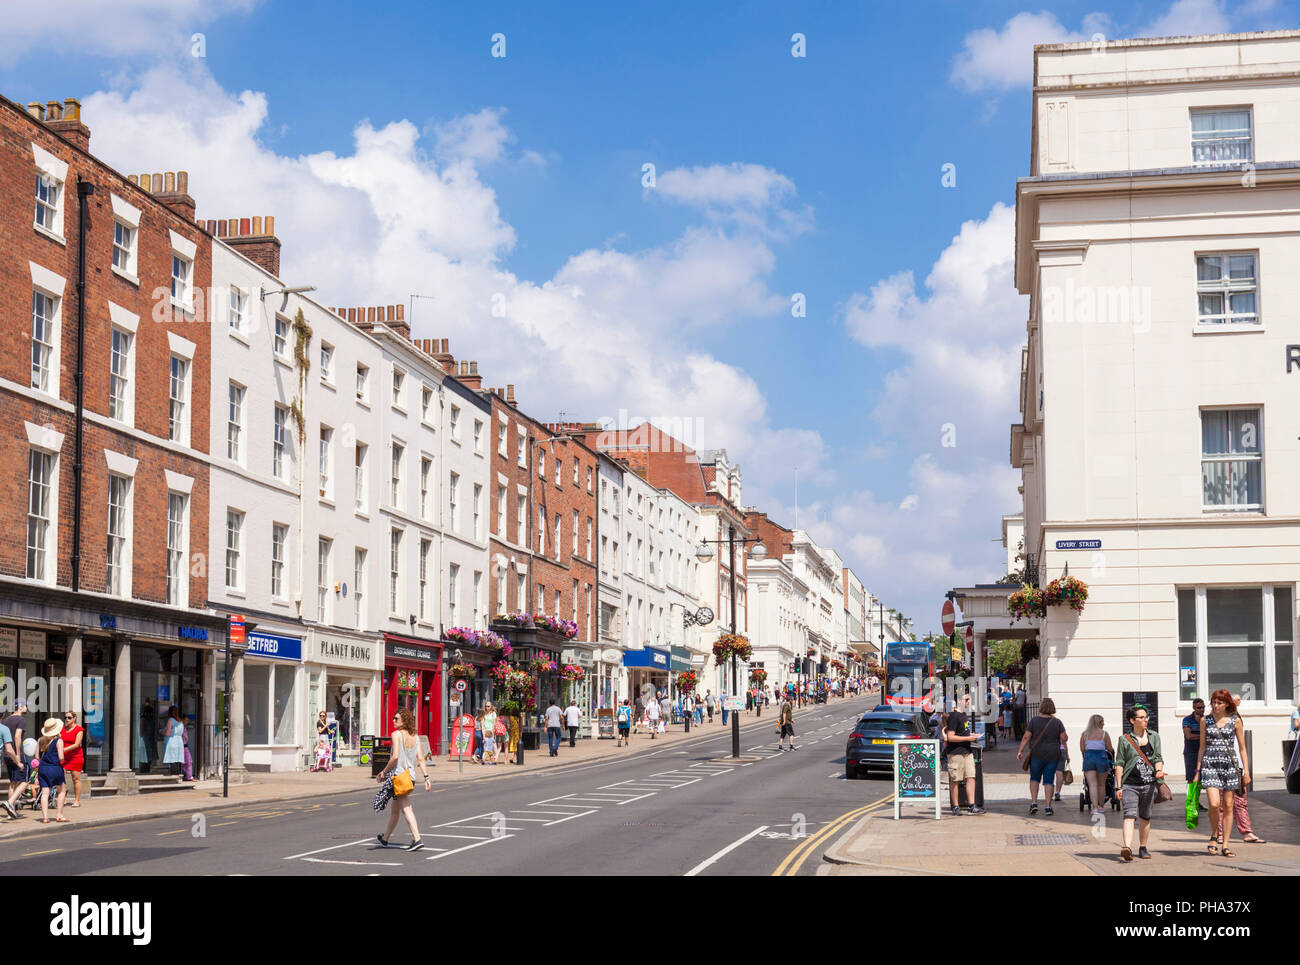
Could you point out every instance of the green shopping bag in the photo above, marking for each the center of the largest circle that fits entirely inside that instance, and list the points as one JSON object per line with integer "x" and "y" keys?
{"x": 1193, "y": 808}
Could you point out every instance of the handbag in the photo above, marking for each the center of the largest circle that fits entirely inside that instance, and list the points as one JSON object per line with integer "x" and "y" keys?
{"x": 1162, "y": 789}
{"x": 1025, "y": 765}
{"x": 1069, "y": 777}
{"x": 402, "y": 783}
{"x": 1192, "y": 809}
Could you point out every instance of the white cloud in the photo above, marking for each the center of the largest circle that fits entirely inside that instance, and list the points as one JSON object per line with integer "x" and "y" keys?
{"x": 1187, "y": 17}
{"x": 610, "y": 330}
{"x": 479, "y": 137}
{"x": 909, "y": 503}
{"x": 121, "y": 28}
{"x": 750, "y": 195}
{"x": 1003, "y": 59}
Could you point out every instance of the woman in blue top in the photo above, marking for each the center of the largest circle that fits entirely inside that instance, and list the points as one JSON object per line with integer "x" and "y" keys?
{"x": 50, "y": 770}
{"x": 1098, "y": 752}
{"x": 174, "y": 734}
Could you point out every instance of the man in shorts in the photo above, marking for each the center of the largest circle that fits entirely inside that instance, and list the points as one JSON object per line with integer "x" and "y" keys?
{"x": 786, "y": 720}
{"x": 14, "y": 764}
{"x": 624, "y": 724}
{"x": 961, "y": 760}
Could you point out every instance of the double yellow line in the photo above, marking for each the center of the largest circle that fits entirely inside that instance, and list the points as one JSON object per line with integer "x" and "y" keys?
{"x": 795, "y": 859}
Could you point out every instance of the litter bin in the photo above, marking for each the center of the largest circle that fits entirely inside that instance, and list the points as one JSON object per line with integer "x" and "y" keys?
{"x": 979, "y": 782}
{"x": 380, "y": 751}
{"x": 1291, "y": 766}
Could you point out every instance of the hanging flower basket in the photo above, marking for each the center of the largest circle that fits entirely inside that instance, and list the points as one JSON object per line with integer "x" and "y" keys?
{"x": 686, "y": 680}
{"x": 565, "y": 628}
{"x": 461, "y": 671}
{"x": 812, "y": 652}
{"x": 571, "y": 672}
{"x": 729, "y": 644}
{"x": 1026, "y": 602}
{"x": 540, "y": 666}
{"x": 1066, "y": 591}
{"x": 877, "y": 671}
{"x": 518, "y": 619}
{"x": 758, "y": 676}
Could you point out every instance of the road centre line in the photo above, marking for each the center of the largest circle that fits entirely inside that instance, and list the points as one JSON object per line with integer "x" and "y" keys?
{"x": 725, "y": 851}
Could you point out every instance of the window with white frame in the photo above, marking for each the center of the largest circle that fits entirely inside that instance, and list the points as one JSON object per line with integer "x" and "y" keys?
{"x": 426, "y": 476}
{"x": 521, "y": 520}
{"x": 559, "y": 545}
{"x": 279, "y": 542}
{"x": 1221, "y": 136}
{"x": 178, "y": 427}
{"x": 326, "y": 462}
{"x": 521, "y": 453}
{"x": 44, "y": 340}
{"x": 1232, "y": 460}
{"x": 478, "y": 435}
{"x": 454, "y": 420}
{"x": 363, "y": 383}
{"x": 280, "y": 339}
{"x": 477, "y": 598}
{"x": 614, "y": 564}
{"x": 178, "y": 539}
{"x": 396, "y": 452}
{"x": 359, "y": 586}
{"x": 558, "y": 469}
{"x": 234, "y": 549}
{"x": 124, "y": 259}
{"x": 238, "y": 317}
{"x": 541, "y": 464}
{"x": 399, "y": 388}
{"x": 426, "y": 400}
{"x": 575, "y": 532}
{"x": 589, "y": 471}
{"x": 235, "y": 422}
{"x": 323, "y": 551}
{"x": 359, "y": 488}
{"x": 120, "y": 366}
{"x": 326, "y": 362}
{"x": 395, "y": 572}
{"x": 453, "y": 499}
{"x": 117, "y": 551}
{"x": 40, "y": 513}
{"x": 182, "y": 285}
{"x": 501, "y": 591}
{"x": 501, "y": 512}
{"x": 588, "y": 537}
{"x": 453, "y": 594}
{"x": 49, "y": 204}
{"x": 424, "y": 581}
{"x": 280, "y": 443}
{"x": 574, "y": 617}
{"x": 604, "y": 554}
{"x": 575, "y": 470}
{"x": 1237, "y": 638}
{"x": 501, "y": 440}
{"x": 1227, "y": 289}
{"x": 541, "y": 599}
{"x": 541, "y": 530}
{"x": 476, "y": 508}
{"x": 521, "y": 592}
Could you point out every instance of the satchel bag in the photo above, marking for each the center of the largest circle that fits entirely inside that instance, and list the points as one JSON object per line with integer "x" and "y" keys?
{"x": 402, "y": 783}
{"x": 1162, "y": 789}
{"x": 1025, "y": 766}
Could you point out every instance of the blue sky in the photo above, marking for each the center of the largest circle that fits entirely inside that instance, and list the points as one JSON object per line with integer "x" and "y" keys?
{"x": 389, "y": 129}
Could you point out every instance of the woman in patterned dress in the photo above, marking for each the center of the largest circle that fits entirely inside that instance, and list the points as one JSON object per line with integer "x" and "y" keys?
{"x": 1217, "y": 768}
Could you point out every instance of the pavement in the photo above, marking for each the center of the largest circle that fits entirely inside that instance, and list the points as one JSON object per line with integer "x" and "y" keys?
{"x": 269, "y": 788}
{"x": 662, "y": 807}
{"x": 1007, "y": 841}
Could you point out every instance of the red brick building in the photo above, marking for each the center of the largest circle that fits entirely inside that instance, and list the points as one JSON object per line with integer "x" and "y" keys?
{"x": 564, "y": 569}
{"x": 104, "y": 389}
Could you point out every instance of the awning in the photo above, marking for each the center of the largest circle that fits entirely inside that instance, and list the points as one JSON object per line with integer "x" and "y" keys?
{"x": 649, "y": 658}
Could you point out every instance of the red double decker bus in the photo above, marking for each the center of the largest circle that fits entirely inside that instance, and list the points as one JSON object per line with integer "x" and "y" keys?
{"x": 910, "y": 682}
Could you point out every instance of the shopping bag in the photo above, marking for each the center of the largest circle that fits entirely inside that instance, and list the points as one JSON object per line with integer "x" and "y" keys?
{"x": 1193, "y": 806}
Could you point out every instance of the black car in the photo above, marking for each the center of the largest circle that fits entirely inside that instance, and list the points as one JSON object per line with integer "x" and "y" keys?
{"x": 871, "y": 745}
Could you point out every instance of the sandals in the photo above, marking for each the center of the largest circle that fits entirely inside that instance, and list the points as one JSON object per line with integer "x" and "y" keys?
{"x": 1254, "y": 838}
{"x": 1227, "y": 853}
{"x": 1213, "y": 846}
{"x": 63, "y": 820}
{"x": 1126, "y": 853}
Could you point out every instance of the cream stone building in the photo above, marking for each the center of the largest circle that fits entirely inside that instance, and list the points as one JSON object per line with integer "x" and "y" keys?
{"x": 1157, "y": 237}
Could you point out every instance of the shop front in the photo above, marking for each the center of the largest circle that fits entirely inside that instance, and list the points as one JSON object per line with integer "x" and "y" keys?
{"x": 609, "y": 674}
{"x": 647, "y": 670}
{"x": 679, "y": 661}
{"x": 412, "y": 679}
{"x": 582, "y": 690}
{"x": 272, "y": 685}
{"x": 343, "y": 676}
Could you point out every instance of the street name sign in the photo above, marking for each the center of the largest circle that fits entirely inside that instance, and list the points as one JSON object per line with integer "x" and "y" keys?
{"x": 916, "y": 774}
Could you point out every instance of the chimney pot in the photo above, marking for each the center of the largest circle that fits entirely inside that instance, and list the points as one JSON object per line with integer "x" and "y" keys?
{"x": 71, "y": 109}
{"x": 37, "y": 110}
{"x": 352, "y": 315}
{"x": 245, "y": 226}
{"x": 269, "y": 222}
{"x": 134, "y": 179}
{"x": 257, "y": 225}
{"x": 157, "y": 184}
{"x": 370, "y": 313}
{"x": 401, "y": 313}
{"x": 169, "y": 180}
{"x": 473, "y": 368}
{"x": 445, "y": 350}
{"x": 183, "y": 182}
{"x": 53, "y": 111}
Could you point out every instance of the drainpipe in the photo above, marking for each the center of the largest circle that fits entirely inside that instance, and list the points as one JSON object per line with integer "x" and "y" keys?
{"x": 84, "y": 190}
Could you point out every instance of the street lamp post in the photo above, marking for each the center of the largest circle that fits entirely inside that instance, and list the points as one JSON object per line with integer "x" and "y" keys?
{"x": 704, "y": 554}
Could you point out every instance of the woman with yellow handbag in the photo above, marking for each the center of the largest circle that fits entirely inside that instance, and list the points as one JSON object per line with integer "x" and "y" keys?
{"x": 399, "y": 778}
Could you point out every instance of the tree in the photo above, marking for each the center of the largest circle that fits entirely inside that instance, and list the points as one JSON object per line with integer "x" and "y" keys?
{"x": 1002, "y": 654}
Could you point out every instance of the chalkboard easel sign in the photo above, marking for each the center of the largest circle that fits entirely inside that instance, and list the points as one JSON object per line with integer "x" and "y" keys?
{"x": 916, "y": 773}
{"x": 605, "y": 723}
{"x": 1149, "y": 699}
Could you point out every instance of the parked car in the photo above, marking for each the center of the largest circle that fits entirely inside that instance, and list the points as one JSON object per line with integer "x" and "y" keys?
{"x": 871, "y": 744}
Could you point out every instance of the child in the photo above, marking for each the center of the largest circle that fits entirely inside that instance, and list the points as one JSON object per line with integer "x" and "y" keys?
{"x": 324, "y": 754}
{"x": 477, "y": 757}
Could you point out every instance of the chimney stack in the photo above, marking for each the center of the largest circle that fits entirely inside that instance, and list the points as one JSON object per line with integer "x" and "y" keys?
{"x": 510, "y": 394}
{"x": 254, "y": 238}
{"x": 172, "y": 189}
{"x": 444, "y": 357}
{"x": 63, "y": 119}
{"x": 469, "y": 376}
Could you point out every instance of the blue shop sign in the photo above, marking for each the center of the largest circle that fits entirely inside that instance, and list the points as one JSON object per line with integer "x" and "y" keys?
{"x": 1078, "y": 544}
{"x": 649, "y": 658}
{"x": 273, "y": 645}
{"x": 192, "y": 633}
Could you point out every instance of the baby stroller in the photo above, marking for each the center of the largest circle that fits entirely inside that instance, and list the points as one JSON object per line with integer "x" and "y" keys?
{"x": 1085, "y": 798}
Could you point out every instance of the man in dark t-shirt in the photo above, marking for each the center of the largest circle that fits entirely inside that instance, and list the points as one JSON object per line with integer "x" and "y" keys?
{"x": 13, "y": 754}
{"x": 961, "y": 760}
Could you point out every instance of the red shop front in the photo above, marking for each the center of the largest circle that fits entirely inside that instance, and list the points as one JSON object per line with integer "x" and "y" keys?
{"x": 412, "y": 679}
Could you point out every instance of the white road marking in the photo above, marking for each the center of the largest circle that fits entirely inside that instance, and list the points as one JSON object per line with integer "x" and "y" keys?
{"x": 448, "y": 854}
{"x": 387, "y": 864}
{"x": 725, "y": 851}
{"x": 335, "y": 847}
{"x": 580, "y": 814}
